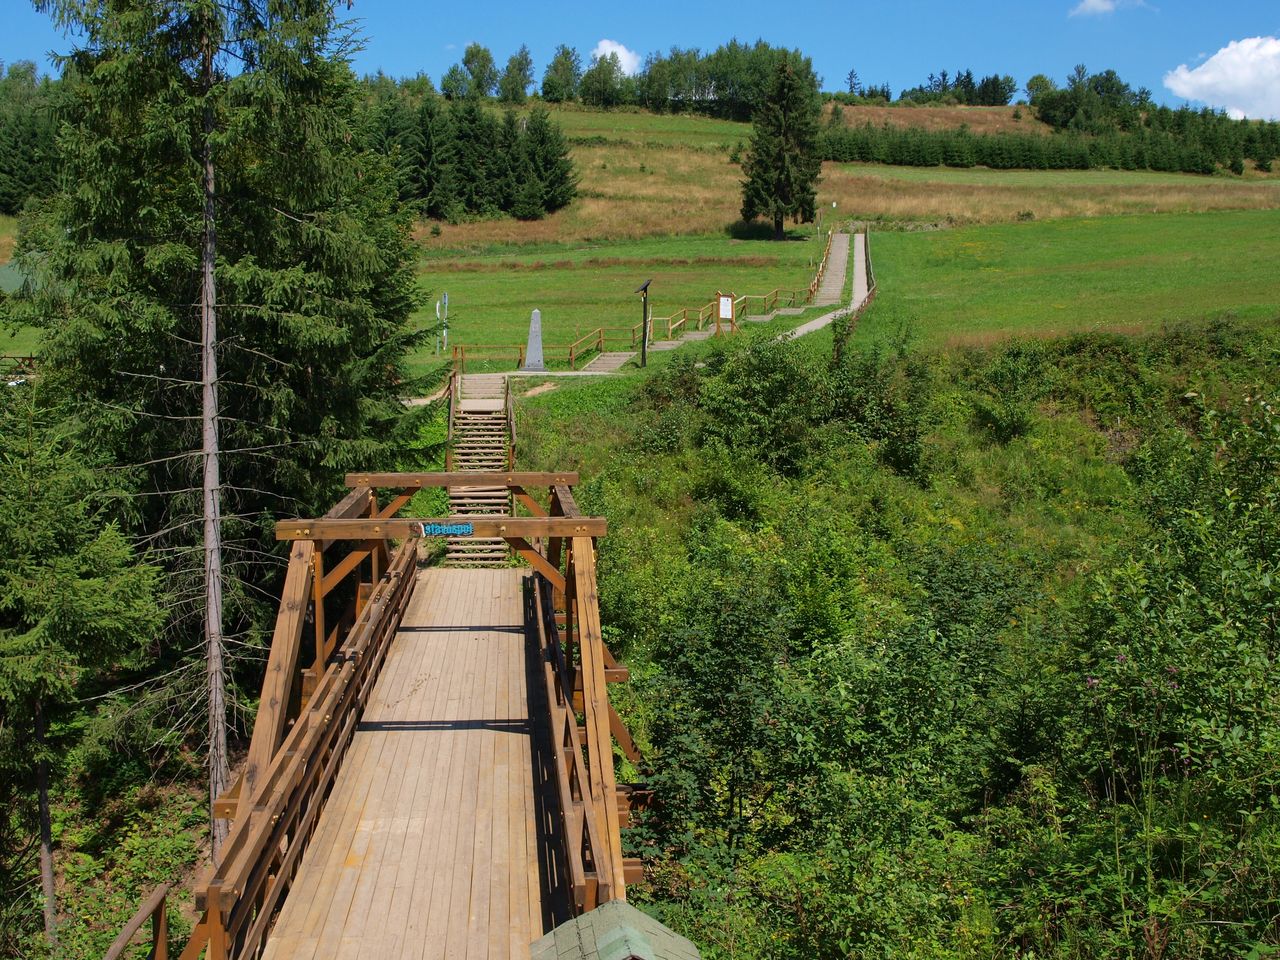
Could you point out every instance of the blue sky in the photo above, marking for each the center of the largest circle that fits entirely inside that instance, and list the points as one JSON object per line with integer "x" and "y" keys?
{"x": 1229, "y": 51}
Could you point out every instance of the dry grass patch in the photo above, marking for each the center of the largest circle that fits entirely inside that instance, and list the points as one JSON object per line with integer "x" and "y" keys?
{"x": 977, "y": 119}
{"x": 984, "y": 196}
{"x": 632, "y": 193}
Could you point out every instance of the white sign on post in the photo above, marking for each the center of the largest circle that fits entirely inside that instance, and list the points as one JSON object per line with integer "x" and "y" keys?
{"x": 726, "y": 307}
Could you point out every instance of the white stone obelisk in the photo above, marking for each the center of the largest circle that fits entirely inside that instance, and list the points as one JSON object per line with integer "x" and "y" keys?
{"x": 533, "y": 353}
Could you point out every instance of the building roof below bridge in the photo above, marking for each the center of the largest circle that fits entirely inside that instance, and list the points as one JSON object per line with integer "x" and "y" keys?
{"x": 614, "y": 931}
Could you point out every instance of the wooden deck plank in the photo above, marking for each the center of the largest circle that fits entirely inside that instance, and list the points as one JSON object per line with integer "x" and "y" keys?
{"x": 455, "y": 777}
{"x": 448, "y": 760}
{"x": 448, "y": 775}
{"x": 464, "y": 813}
{"x": 401, "y": 934}
{"x": 385, "y": 914}
{"x": 428, "y": 843}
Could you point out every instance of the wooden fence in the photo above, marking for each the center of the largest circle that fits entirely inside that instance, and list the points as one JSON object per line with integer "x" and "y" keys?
{"x": 675, "y": 325}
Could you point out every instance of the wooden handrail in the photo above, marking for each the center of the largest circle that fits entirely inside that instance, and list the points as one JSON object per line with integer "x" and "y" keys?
{"x": 295, "y": 756}
{"x": 454, "y": 396}
{"x": 631, "y": 335}
{"x": 155, "y": 908}
{"x": 511, "y": 425}
{"x": 596, "y": 335}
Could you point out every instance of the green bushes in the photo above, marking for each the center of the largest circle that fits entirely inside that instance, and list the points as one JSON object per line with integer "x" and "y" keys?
{"x": 1013, "y": 695}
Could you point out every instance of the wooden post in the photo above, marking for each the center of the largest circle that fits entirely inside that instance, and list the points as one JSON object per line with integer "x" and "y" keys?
{"x": 160, "y": 931}
{"x": 317, "y": 593}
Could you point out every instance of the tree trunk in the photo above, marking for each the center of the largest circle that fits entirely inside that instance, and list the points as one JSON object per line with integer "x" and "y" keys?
{"x": 46, "y": 832}
{"x": 219, "y": 774}
{"x": 778, "y": 232}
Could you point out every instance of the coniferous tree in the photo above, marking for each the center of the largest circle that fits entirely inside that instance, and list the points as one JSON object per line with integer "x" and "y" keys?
{"x": 181, "y": 119}
{"x": 433, "y": 177}
{"x": 508, "y": 147}
{"x": 475, "y": 135}
{"x": 782, "y": 164}
{"x": 513, "y": 87}
{"x": 549, "y": 161}
{"x": 74, "y": 601}
{"x": 28, "y": 157}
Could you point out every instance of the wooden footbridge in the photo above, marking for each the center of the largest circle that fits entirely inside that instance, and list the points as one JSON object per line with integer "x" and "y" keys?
{"x": 431, "y": 771}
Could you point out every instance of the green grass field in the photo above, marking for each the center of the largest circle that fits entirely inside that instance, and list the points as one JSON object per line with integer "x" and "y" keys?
{"x": 978, "y": 284}
{"x": 581, "y": 287}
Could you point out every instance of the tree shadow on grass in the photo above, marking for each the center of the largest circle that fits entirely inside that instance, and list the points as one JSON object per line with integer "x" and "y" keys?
{"x": 761, "y": 230}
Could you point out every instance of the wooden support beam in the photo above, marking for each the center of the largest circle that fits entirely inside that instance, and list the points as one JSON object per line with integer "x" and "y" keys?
{"x": 356, "y": 557}
{"x": 282, "y": 665}
{"x": 396, "y": 504}
{"x": 511, "y": 478}
{"x": 366, "y": 528}
{"x": 564, "y": 497}
{"x": 532, "y": 505}
{"x": 537, "y": 561}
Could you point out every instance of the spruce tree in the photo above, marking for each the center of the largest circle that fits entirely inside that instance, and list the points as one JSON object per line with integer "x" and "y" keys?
{"x": 475, "y": 135}
{"x": 434, "y": 173}
{"x": 223, "y": 140}
{"x": 782, "y": 163}
{"x": 549, "y": 161}
{"x": 74, "y": 601}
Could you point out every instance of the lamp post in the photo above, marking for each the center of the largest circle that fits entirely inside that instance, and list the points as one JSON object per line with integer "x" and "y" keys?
{"x": 643, "y": 290}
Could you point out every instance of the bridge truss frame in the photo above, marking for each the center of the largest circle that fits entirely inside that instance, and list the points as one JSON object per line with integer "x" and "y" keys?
{"x": 338, "y": 617}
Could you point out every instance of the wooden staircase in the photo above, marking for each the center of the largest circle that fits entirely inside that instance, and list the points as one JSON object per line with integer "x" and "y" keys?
{"x": 479, "y": 440}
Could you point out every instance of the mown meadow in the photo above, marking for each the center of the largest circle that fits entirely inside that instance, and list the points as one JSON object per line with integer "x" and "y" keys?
{"x": 981, "y": 284}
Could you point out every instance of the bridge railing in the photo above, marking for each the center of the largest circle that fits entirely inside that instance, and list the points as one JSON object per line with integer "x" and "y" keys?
{"x": 307, "y": 715}
{"x": 290, "y": 769}
{"x": 155, "y": 909}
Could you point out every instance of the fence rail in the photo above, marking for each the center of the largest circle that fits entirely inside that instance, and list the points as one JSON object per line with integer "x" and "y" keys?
{"x": 675, "y": 325}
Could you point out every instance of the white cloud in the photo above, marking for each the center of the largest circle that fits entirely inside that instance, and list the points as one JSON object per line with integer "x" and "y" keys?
{"x": 629, "y": 59}
{"x": 1093, "y": 8}
{"x": 1243, "y": 78}
{"x": 1098, "y": 8}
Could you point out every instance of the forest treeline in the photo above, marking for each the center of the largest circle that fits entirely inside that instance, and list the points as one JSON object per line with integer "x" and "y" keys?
{"x": 28, "y": 153}
{"x": 455, "y": 159}
{"x": 1097, "y": 120}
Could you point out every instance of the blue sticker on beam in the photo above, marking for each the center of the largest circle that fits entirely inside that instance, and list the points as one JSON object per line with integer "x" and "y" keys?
{"x": 445, "y": 530}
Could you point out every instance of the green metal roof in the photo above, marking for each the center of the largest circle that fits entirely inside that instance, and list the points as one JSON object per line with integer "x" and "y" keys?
{"x": 615, "y": 931}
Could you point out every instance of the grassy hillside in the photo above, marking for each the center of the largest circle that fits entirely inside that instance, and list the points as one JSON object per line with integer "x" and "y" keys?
{"x": 979, "y": 120}
{"x": 8, "y": 236}
{"x": 977, "y": 284}
{"x": 649, "y": 175}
